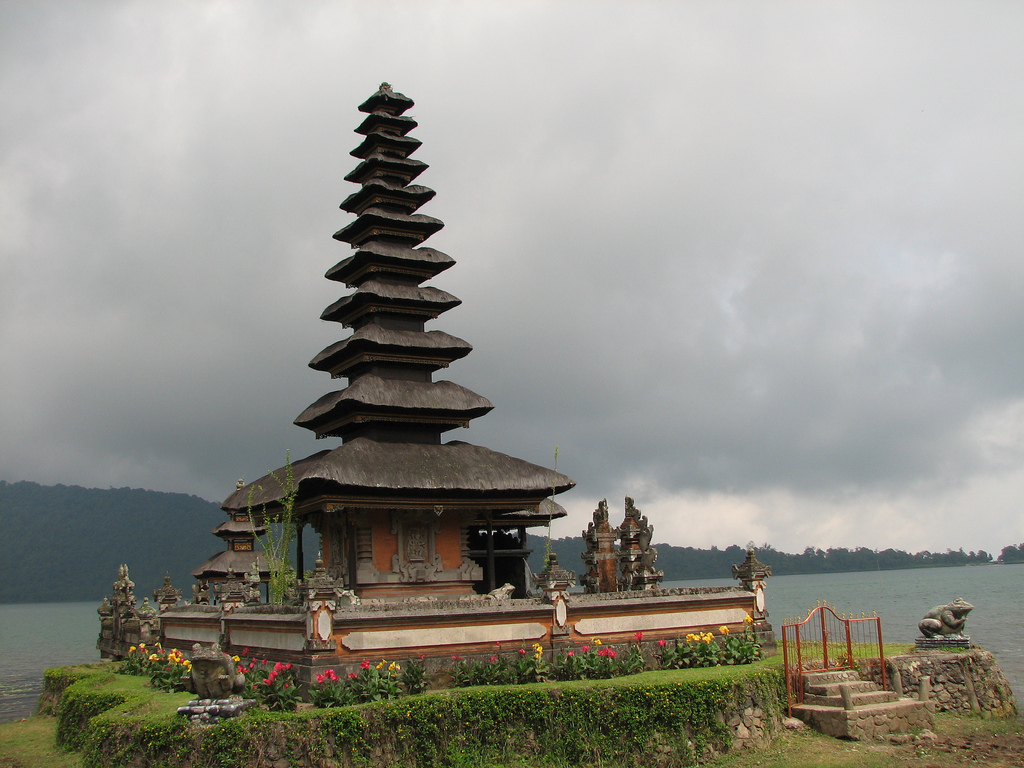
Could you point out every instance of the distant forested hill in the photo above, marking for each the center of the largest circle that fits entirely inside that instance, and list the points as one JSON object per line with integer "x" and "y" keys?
{"x": 64, "y": 543}
{"x": 680, "y": 563}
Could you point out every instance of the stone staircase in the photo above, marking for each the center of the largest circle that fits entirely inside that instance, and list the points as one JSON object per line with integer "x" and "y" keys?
{"x": 838, "y": 703}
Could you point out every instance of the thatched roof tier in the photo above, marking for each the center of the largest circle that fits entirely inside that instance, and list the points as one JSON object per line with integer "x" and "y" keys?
{"x": 444, "y": 404}
{"x": 379, "y": 192}
{"x": 362, "y": 469}
{"x": 217, "y": 567}
{"x": 379, "y": 296}
{"x": 377, "y": 222}
{"x": 434, "y": 349}
{"x": 379, "y": 164}
{"x": 386, "y": 143}
{"x": 371, "y": 257}
{"x": 385, "y": 123}
{"x": 230, "y": 528}
{"x": 387, "y": 100}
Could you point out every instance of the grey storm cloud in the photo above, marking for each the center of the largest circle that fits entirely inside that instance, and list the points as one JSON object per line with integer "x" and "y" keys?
{"x": 759, "y": 267}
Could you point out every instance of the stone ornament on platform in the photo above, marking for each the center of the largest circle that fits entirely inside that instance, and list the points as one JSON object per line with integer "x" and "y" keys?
{"x": 751, "y": 574}
{"x": 218, "y": 683}
{"x": 943, "y": 626}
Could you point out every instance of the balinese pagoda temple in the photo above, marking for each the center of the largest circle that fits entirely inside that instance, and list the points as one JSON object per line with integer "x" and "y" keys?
{"x": 240, "y": 555}
{"x": 419, "y": 535}
{"x": 400, "y": 511}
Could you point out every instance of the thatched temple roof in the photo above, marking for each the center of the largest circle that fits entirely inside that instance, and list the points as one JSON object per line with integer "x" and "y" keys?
{"x": 364, "y": 468}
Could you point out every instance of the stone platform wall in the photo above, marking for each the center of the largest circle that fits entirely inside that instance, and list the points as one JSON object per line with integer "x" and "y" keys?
{"x": 966, "y": 681}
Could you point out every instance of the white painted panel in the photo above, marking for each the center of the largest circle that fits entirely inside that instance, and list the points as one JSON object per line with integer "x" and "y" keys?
{"x": 682, "y": 621}
{"x": 416, "y": 638}
{"x": 285, "y": 641}
{"x": 192, "y": 634}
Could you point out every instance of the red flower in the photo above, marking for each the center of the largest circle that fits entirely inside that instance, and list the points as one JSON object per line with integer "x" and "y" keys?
{"x": 662, "y": 643}
{"x": 522, "y": 651}
{"x": 365, "y": 664}
{"x": 320, "y": 679}
{"x": 493, "y": 659}
{"x": 266, "y": 681}
{"x": 570, "y": 653}
{"x": 245, "y": 651}
{"x": 353, "y": 675}
{"x": 287, "y": 666}
{"x": 585, "y": 648}
{"x": 611, "y": 654}
{"x": 264, "y": 662}
{"x": 421, "y": 657}
{"x": 639, "y": 636}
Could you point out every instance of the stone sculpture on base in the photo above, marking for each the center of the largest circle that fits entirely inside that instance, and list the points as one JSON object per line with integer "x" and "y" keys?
{"x": 946, "y": 620}
{"x": 218, "y": 683}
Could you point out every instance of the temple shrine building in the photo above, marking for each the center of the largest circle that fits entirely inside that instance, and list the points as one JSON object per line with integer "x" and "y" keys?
{"x": 423, "y": 538}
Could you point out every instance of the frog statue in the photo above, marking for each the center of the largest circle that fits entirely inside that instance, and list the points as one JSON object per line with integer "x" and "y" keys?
{"x": 214, "y": 675}
{"x": 946, "y": 619}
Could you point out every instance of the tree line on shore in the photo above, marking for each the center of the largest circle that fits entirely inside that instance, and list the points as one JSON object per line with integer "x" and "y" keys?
{"x": 683, "y": 563}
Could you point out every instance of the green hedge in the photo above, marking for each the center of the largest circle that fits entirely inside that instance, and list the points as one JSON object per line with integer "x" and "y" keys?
{"x": 662, "y": 718}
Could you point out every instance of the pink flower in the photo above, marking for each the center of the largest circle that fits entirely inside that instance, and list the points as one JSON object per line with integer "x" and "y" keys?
{"x": 264, "y": 662}
{"x": 611, "y": 654}
{"x": 364, "y": 664}
{"x": 571, "y": 653}
{"x": 493, "y": 659}
{"x": 353, "y": 675}
{"x": 288, "y": 666}
{"x": 266, "y": 681}
{"x": 320, "y": 679}
{"x": 585, "y": 648}
{"x": 639, "y": 636}
{"x": 662, "y": 643}
{"x": 522, "y": 651}
{"x": 330, "y": 674}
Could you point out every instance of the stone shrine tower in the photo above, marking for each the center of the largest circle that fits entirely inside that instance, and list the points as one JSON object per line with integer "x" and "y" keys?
{"x": 401, "y": 513}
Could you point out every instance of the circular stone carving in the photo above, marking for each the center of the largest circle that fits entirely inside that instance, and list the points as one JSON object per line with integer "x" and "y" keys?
{"x": 759, "y": 598}
{"x": 560, "y": 612}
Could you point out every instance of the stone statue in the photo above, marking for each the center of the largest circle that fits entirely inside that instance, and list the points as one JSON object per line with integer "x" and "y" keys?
{"x": 946, "y": 620}
{"x": 214, "y": 674}
{"x": 504, "y": 592}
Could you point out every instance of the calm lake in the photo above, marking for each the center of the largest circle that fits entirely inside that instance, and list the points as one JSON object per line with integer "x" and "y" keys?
{"x": 35, "y": 637}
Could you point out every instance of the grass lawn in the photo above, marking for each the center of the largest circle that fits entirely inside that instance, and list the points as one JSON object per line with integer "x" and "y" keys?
{"x": 29, "y": 744}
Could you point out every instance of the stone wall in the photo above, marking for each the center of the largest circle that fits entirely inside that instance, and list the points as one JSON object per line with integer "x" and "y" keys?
{"x": 964, "y": 681}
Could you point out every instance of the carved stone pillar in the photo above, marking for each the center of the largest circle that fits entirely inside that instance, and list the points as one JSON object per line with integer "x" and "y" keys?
{"x": 600, "y": 558}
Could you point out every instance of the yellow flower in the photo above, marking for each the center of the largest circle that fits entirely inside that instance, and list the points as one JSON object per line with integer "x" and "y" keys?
{"x": 723, "y": 629}
{"x": 153, "y": 657}
{"x": 381, "y": 665}
{"x": 748, "y": 619}
{"x": 132, "y": 649}
{"x": 597, "y": 641}
{"x": 236, "y": 659}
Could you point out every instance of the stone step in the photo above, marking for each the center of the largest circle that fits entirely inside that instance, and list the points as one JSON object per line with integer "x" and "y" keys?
{"x": 830, "y": 676}
{"x": 868, "y": 721}
{"x": 860, "y": 699}
{"x": 832, "y": 689}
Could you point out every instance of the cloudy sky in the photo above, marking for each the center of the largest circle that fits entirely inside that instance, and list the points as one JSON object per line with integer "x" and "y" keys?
{"x": 758, "y": 265}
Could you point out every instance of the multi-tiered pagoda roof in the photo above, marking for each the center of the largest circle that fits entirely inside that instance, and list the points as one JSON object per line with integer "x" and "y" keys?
{"x": 392, "y": 415}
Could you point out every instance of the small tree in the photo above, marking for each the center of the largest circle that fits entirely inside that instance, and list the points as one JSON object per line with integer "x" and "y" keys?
{"x": 280, "y": 526}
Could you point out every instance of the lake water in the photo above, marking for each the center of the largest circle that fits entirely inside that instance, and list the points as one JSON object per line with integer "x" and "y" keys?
{"x": 35, "y": 637}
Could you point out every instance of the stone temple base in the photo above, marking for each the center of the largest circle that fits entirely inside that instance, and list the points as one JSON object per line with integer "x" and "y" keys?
{"x": 943, "y": 643}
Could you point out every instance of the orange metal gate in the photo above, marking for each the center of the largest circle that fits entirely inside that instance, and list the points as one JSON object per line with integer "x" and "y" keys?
{"x": 826, "y": 641}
